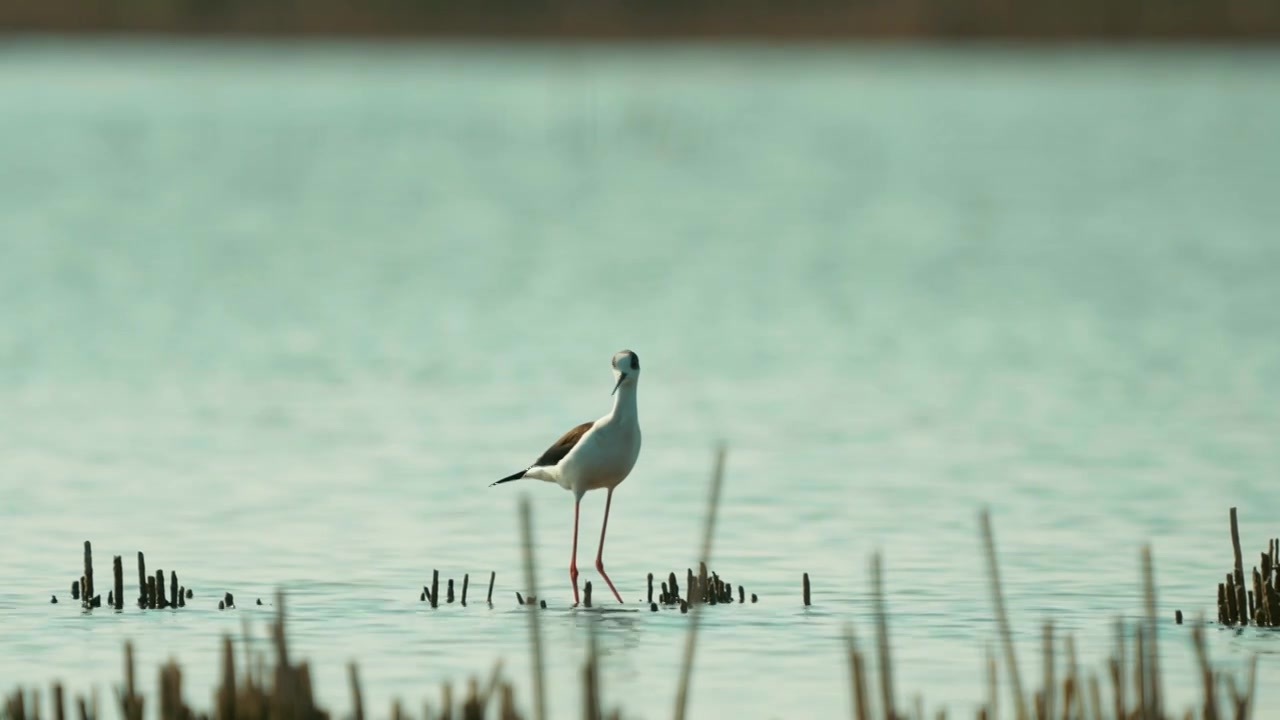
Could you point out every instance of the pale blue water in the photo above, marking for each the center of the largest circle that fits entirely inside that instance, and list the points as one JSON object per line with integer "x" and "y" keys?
{"x": 278, "y": 314}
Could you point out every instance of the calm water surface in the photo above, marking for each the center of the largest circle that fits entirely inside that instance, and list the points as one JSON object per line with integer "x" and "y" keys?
{"x": 277, "y": 315}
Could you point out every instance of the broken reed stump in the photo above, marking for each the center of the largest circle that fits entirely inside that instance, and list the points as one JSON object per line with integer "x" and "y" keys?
{"x": 1258, "y": 601}
{"x": 86, "y": 587}
{"x": 161, "y": 602}
{"x": 142, "y": 580}
{"x": 586, "y": 594}
{"x": 489, "y": 597}
{"x": 117, "y": 572}
{"x": 805, "y": 591}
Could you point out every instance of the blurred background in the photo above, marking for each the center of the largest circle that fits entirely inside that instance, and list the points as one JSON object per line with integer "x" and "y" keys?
{"x": 284, "y": 286}
{"x": 803, "y": 19}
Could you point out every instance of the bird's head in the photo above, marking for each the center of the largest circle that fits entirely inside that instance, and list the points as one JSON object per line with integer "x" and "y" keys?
{"x": 626, "y": 367}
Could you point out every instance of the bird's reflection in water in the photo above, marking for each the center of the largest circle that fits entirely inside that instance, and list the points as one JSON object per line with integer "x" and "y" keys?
{"x": 617, "y": 635}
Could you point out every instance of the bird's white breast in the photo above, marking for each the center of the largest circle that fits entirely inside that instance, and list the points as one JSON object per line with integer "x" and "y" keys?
{"x": 604, "y": 457}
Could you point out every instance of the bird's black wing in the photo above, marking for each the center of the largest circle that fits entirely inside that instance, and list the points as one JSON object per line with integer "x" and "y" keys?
{"x": 554, "y": 454}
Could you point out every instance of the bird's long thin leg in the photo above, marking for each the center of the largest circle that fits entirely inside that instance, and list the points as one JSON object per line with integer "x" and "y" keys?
{"x": 600, "y": 553}
{"x": 573, "y": 559}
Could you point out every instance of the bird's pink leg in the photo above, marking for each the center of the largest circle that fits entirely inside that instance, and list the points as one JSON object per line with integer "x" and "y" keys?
{"x": 573, "y": 560}
{"x": 600, "y": 553}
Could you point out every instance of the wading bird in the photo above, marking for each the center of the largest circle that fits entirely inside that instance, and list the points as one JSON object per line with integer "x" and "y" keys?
{"x": 595, "y": 455}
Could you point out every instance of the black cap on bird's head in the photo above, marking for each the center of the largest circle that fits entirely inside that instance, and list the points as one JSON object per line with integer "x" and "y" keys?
{"x": 627, "y": 365}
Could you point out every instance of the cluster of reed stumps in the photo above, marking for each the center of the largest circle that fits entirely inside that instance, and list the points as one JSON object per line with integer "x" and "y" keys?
{"x": 701, "y": 589}
{"x": 151, "y": 588}
{"x": 1258, "y": 602}
{"x": 431, "y": 594}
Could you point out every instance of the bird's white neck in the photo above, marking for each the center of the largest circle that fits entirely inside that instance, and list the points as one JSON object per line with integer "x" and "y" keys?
{"x": 624, "y": 403}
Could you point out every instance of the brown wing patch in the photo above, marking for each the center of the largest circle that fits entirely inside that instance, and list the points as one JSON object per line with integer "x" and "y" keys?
{"x": 561, "y": 447}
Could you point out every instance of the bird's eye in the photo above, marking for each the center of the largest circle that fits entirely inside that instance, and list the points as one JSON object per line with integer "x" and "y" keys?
{"x": 635, "y": 361}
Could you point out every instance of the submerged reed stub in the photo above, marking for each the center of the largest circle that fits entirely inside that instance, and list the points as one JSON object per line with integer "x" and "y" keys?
{"x": 117, "y": 575}
{"x": 435, "y": 588}
{"x": 142, "y": 581}
{"x": 86, "y": 587}
{"x": 489, "y": 598}
{"x": 586, "y": 594}
{"x": 160, "y": 598}
{"x": 806, "y": 590}
{"x": 448, "y": 595}
{"x": 465, "y": 579}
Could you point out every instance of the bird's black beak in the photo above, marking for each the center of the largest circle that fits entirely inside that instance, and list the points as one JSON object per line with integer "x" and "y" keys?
{"x": 621, "y": 377}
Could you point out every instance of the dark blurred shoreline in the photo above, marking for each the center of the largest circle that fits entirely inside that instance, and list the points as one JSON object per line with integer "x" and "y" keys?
{"x": 800, "y": 20}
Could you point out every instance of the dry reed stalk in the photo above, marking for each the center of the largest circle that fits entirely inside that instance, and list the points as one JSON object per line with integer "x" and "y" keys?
{"x": 1209, "y": 705}
{"x": 1046, "y": 710}
{"x": 882, "y": 638}
{"x": 1095, "y": 697}
{"x": 1241, "y": 600}
{"x": 117, "y": 575}
{"x": 86, "y": 588}
{"x": 686, "y": 667}
{"x": 1073, "y": 698}
{"x": 357, "y": 700}
{"x": 1117, "y": 671}
{"x": 993, "y": 686}
{"x": 1152, "y": 631}
{"x": 535, "y": 633}
{"x": 857, "y": 676}
{"x": 997, "y": 601}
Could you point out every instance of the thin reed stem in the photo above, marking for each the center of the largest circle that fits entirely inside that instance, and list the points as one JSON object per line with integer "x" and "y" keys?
{"x": 1002, "y": 618}
{"x": 535, "y": 632}
{"x": 882, "y": 638}
{"x": 708, "y": 530}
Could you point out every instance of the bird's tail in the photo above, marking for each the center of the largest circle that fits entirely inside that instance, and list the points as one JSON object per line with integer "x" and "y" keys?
{"x": 509, "y": 478}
